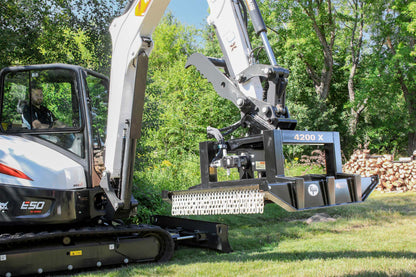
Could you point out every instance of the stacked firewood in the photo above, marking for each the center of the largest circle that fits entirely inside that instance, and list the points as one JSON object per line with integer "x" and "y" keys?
{"x": 397, "y": 176}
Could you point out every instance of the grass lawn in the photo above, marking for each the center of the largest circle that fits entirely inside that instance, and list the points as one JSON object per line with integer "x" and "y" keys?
{"x": 375, "y": 238}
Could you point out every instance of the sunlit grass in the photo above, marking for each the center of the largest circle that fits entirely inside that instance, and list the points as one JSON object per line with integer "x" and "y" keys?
{"x": 375, "y": 238}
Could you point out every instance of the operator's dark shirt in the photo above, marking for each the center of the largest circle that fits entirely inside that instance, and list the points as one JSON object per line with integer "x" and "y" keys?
{"x": 31, "y": 113}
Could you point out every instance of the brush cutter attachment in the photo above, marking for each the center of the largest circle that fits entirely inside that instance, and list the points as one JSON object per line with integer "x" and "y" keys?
{"x": 260, "y": 162}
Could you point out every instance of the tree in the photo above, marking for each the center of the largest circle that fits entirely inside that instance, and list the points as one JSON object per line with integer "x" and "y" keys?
{"x": 306, "y": 39}
{"x": 64, "y": 31}
{"x": 20, "y": 25}
{"x": 353, "y": 31}
{"x": 394, "y": 43}
{"x": 321, "y": 18}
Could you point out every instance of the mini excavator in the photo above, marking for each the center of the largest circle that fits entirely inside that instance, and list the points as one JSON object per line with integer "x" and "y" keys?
{"x": 59, "y": 212}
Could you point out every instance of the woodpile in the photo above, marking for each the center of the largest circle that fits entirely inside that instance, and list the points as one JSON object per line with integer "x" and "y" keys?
{"x": 397, "y": 176}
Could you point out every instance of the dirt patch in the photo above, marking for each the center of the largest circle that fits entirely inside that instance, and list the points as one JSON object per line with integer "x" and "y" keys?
{"x": 320, "y": 217}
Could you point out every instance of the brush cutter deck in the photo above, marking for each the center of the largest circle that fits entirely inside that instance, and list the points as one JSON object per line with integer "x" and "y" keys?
{"x": 262, "y": 155}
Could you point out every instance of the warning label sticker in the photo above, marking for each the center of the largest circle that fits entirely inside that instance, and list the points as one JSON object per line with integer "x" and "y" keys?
{"x": 261, "y": 165}
{"x": 75, "y": 253}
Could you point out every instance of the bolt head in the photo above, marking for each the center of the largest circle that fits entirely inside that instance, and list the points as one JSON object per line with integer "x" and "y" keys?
{"x": 265, "y": 111}
{"x": 240, "y": 78}
{"x": 240, "y": 102}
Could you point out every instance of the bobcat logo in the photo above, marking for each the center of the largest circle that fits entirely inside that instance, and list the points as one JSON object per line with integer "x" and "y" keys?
{"x": 313, "y": 190}
{"x": 3, "y": 207}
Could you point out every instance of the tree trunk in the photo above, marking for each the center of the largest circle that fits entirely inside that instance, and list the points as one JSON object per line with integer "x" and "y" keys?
{"x": 411, "y": 142}
{"x": 409, "y": 96}
{"x": 322, "y": 83}
{"x": 355, "y": 46}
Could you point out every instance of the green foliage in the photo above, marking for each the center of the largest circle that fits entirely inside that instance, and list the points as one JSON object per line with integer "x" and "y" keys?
{"x": 13, "y": 92}
{"x": 58, "y": 97}
{"x": 98, "y": 94}
{"x": 150, "y": 202}
{"x": 58, "y": 31}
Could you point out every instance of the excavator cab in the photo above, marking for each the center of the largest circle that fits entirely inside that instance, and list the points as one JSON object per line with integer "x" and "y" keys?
{"x": 54, "y": 215}
{"x": 53, "y": 116}
{"x": 48, "y": 103}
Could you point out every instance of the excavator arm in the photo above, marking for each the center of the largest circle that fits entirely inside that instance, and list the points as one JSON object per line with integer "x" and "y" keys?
{"x": 261, "y": 109}
{"x": 132, "y": 45}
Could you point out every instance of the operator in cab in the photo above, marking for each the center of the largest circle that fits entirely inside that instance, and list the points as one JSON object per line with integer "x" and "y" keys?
{"x": 37, "y": 116}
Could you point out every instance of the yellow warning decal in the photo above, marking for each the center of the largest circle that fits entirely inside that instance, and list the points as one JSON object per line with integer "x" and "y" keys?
{"x": 142, "y": 7}
{"x": 75, "y": 253}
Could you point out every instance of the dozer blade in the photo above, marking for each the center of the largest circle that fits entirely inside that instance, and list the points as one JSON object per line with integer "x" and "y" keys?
{"x": 195, "y": 233}
{"x": 291, "y": 193}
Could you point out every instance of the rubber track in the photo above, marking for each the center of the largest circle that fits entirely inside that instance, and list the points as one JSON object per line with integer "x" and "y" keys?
{"x": 8, "y": 241}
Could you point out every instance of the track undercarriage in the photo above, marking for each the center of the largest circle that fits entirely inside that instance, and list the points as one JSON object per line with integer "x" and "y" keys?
{"x": 63, "y": 249}
{"x": 36, "y": 253}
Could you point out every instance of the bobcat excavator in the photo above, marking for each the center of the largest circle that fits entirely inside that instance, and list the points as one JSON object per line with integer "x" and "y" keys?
{"x": 59, "y": 213}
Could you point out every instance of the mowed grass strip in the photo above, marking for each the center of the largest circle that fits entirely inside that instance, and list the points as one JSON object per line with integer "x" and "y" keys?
{"x": 375, "y": 238}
